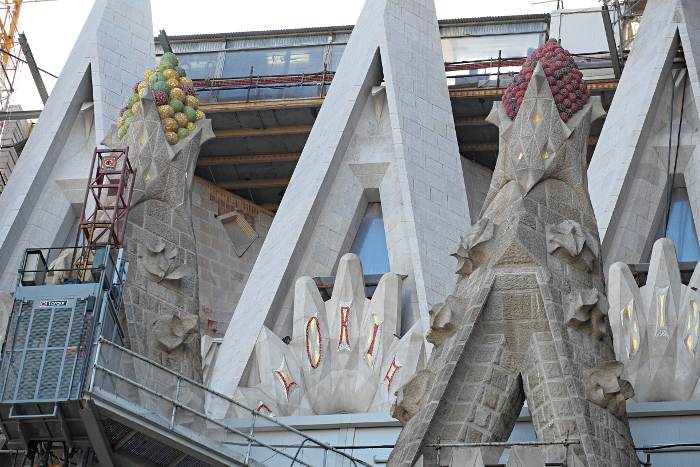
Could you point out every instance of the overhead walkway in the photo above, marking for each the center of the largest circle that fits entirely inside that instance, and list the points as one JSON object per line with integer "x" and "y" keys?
{"x": 139, "y": 413}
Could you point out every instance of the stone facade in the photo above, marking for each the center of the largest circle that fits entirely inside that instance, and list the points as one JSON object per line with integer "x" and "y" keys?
{"x": 476, "y": 180}
{"x": 528, "y": 272}
{"x": 656, "y": 328}
{"x": 42, "y": 200}
{"x": 627, "y": 171}
{"x": 222, "y": 272}
{"x": 161, "y": 299}
{"x": 385, "y": 133}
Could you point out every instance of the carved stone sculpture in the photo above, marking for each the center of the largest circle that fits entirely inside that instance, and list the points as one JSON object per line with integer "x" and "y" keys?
{"x": 655, "y": 327}
{"x": 344, "y": 356}
{"x": 412, "y": 396}
{"x": 517, "y": 334}
{"x": 605, "y": 388}
{"x": 469, "y": 257}
{"x": 161, "y": 292}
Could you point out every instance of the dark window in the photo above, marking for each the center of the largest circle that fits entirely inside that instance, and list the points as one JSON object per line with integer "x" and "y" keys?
{"x": 268, "y": 62}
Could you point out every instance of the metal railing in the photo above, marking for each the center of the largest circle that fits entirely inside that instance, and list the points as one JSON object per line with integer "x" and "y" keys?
{"x": 186, "y": 407}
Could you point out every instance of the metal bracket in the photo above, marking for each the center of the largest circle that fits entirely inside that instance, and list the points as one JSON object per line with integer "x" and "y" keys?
{"x": 31, "y": 417}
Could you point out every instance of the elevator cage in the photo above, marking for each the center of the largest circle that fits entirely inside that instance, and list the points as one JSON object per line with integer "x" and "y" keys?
{"x": 57, "y": 317}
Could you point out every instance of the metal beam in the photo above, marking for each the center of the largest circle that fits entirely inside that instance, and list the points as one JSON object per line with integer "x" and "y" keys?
{"x": 178, "y": 459}
{"x": 164, "y": 42}
{"x": 20, "y": 115}
{"x": 261, "y": 105}
{"x": 610, "y": 35}
{"x": 467, "y": 147}
{"x": 260, "y": 183}
{"x": 122, "y": 441}
{"x": 254, "y": 159}
{"x": 610, "y": 85}
{"x": 97, "y": 434}
{"x": 38, "y": 81}
{"x": 252, "y": 132}
{"x": 464, "y": 121}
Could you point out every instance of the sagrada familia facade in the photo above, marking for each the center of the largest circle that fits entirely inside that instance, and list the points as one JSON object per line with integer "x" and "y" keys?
{"x": 532, "y": 304}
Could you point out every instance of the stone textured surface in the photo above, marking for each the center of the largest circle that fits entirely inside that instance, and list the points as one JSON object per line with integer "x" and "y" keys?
{"x": 344, "y": 355}
{"x": 476, "y": 180}
{"x": 408, "y": 160}
{"x": 222, "y": 273}
{"x": 110, "y": 54}
{"x": 655, "y": 328}
{"x": 627, "y": 171}
{"x": 161, "y": 299}
{"x": 513, "y": 342}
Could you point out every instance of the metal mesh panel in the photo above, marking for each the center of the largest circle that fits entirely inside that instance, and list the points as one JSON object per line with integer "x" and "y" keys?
{"x": 25, "y": 316}
{"x": 13, "y": 374}
{"x": 51, "y": 372}
{"x": 115, "y": 430}
{"x": 190, "y": 461}
{"x": 38, "y": 332}
{"x": 150, "y": 449}
{"x": 30, "y": 374}
{"x": 59, "y": 327}
{"x": 78, "y": 339}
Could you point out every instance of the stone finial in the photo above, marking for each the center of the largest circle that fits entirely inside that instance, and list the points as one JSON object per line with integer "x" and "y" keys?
{"x": 587, "y": 312}
{"x": 445, "y": 319}
{"x": 162, "y": 265}
{"x": 605, "y": 388}
{"x": 656, "y": 327}
{"x": 573, "y": 243}
{"x": 172, "y": 331}
{"x": 412, "y": 396}
{"x": 469, "y": 257}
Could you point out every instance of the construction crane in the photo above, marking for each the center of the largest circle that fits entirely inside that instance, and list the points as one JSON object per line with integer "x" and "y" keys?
{"x": 11, "y": 50}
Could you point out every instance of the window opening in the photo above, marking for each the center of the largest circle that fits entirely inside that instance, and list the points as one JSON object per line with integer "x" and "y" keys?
{"x": 370, "y": 242}
{"x": 681, "y": 227}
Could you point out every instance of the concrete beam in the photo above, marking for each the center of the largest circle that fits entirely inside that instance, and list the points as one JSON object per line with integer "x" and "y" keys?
{"x": 253, "y": 159}
{"x": 260, "y": 183}
{"x": 261, "y": 105}
{"x": 498, "y": 92}
{"x": 252, "y": 132}
{"x": 592, "y": 141}
{"x": 465, "y": 121}
{"x": 20, "y": 115}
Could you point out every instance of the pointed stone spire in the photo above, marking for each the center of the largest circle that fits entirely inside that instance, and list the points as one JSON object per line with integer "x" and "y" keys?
{"x": 37, "y": 207}
{"x": 628, "y": 169}
{"x": 385, "y": 134}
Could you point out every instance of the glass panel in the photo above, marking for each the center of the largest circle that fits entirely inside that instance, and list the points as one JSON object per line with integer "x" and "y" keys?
{"x": 370, "y": 242}
{"x": 199, "y": 66}
{"x": 261, "y": 94}
{"x": 681, "y": 228}
{"x": 336, "y": 54}
{"x": 267, "y": 62}
{"x": 462, "y": 49}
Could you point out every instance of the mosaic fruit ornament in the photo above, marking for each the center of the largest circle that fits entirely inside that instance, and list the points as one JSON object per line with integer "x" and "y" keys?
{"x": 165, "y": 111}
{"x": 161, "y": 98}
{"x": 136, "y": 87}
{"x": 188, "y": 89}
{"x": 565, "y": 80}
{"x": 180, "y": 71}
{"x": 200, "y": 115}
{"x": 181, "y": 120}
{"x": 161, "y": 86}
{"x": 171, "y": 137}
{"x": 132, "y": 99}
{"x": 148, "y": 74}
{"x": 133, "y": 109}
{"x": 173, "y": 83}
{"x": 182, "y": 133}
{"x": 156, "y": 77}
{"x": 190, "y": 113}
{"x": 171, "y": 74}
{"x": 122, "y": 132}
{"x": 127, "y": 113}
{"x": 185, "y": 80}
{"x": 191, "y": 101}
{"x": 190, "y": 126}
{"x": 121, "y": 112}
{"x": 170, "y": 124}
{"x": 171, "y": 57}
{"x": 127, "y": 122}
{"x": 164, "y": 65}
{"x": 120, "y": 122}
{"x": 176, "y": 104}
{"x": 178, "y": 94}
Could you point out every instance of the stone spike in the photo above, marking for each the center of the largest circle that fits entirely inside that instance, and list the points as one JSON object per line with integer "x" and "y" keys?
{"x": 307, "y": 303}
{"x": 467, "y": 457}
{"x": 386, "y": 305}
{"x": 525, "y": 456}
{"x": 623, "y": 292}
{"x": 325, "y": 200}
{"x": 349, "y": 287}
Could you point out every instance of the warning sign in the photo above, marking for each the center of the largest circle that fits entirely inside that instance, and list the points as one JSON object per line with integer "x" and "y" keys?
{"x": 109, "y": 163}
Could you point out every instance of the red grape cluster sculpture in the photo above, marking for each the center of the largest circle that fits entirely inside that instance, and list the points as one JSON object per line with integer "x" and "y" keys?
{"x": 565, "y": 80}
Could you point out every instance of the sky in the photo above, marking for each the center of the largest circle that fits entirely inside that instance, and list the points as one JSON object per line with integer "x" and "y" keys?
{"x": 52, "y": 26}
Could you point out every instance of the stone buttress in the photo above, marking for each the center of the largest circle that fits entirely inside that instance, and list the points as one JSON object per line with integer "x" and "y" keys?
{"x": 528, "y": 318}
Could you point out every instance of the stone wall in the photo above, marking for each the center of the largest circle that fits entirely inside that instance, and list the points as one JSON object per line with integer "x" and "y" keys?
{"x": 222, "y": 273}
{"x": 477, "y": 180}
